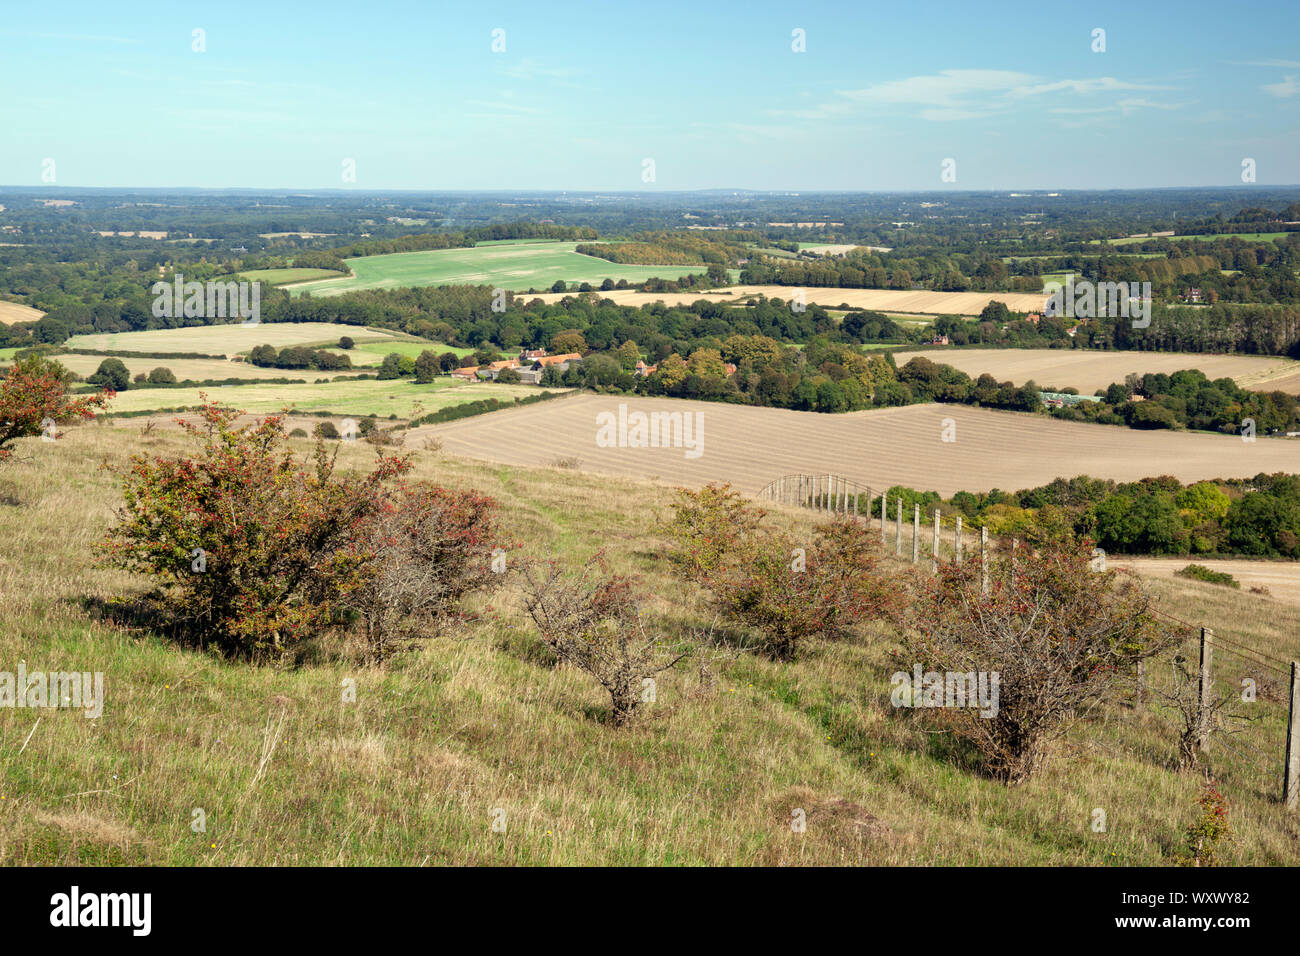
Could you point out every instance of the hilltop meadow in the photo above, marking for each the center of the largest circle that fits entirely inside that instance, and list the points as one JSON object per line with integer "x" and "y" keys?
{"x": 480, "y": 724}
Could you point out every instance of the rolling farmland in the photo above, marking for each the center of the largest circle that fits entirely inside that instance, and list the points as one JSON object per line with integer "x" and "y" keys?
{"x": 882, "y": 300}
{"x": 229, "y": 339}
{"x": 751, "y": 446}
{"x": 1088, "y": 370}
{"x": 517, "y": 266}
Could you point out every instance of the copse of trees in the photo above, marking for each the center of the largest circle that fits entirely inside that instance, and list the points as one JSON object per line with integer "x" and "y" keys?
{"x": 1257, "y": 517}
{"x": 297, "y": 356}
{"x": 112, "y": 373}
{"x": 1188, "y": 399}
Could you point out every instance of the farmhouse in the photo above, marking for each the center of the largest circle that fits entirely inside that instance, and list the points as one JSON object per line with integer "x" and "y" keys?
{"x": 560, "y": 360}
{"x": 1061, "y": 399}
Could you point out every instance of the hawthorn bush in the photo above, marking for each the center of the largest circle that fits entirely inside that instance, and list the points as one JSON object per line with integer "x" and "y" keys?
{"x": 34, "y": 394}
{"x": 591, "y": 620}
{"x": 427, "y": 548}
{"x": 1057, "y": 633}
{"x": 786, "y": 589}
{"x": 252, "y": 550}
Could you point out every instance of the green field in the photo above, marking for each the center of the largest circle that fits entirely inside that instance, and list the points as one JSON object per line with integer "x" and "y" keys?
{"x": 369, "y": 397}
{"x": 1248, "y": 236}
{"x": 373, "y": 353}
{"x": 517, "y": 266}
{"x": 285, "y": 276}
{"x": 228, "y": 339}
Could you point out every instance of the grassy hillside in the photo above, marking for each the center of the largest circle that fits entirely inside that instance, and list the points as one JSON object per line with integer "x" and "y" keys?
{"x": 411, "y": 772}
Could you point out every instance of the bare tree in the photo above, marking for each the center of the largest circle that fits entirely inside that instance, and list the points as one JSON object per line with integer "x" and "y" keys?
{"x": 1195, "y": 721}
{"x": 590, "y": 620}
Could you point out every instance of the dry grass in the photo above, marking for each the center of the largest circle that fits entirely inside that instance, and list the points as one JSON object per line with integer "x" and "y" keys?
{"x": 412, "y": 772}
{"x": 880, "y": 448}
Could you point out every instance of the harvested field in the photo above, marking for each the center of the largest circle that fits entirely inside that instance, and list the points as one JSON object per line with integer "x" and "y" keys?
{"x": 1284, "y": 383}
{"x": 1088, "y": 370}
{"x": 401, "y": 397}
{"x": 751, "y": 446}
{"x": 11, "y": 312}
{"x": 882, "y": 300}
{"x": 1282, "y": 578}
{"x": 198, "y": 370}
{"x": 230, "y": 339}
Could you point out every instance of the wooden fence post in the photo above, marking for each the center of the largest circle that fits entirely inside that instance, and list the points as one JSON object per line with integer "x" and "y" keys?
{"x": 934, "y": 557}
{"x": 916, "y": 533}
{"x": 1207, "y": 687}
{"x": 884, "y": 520}
{"x": 956, "y": 542}
{"x": 1140, "y": 691}
{"x": 898, "y": 528}
{"x": 1291, "y": 783}
{"x": 984, "y": 558}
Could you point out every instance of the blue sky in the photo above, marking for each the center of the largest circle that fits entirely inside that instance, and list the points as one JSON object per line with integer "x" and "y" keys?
{"x": 711, "y": 92}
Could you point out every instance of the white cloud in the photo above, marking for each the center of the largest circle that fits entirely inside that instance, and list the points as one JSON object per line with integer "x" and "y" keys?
{"x": 1289, "y": 87}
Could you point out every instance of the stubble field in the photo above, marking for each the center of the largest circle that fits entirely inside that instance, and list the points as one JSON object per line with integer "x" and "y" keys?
{"x": 11, "y": 312}
{"x": 752, "y": 446}
{"x": 881, "y": 300}
{"x": 1088, "y": 370}
{"x": 229, "y": 339}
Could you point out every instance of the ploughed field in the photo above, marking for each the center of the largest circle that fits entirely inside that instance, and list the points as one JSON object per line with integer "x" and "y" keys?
{"x": 1089, "y": 370}
{"x": 751, "y": 446}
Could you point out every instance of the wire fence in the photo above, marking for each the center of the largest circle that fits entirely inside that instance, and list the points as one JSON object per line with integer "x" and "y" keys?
{"x": 1234, "y": 704}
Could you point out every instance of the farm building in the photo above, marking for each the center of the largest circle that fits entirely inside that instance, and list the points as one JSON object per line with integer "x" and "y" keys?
{"x": 1061, "y": 399}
